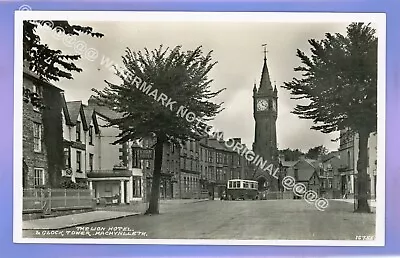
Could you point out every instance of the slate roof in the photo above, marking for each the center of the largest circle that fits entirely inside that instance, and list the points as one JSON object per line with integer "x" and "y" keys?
{"x": 330, "y": 156}
{"x": 306, "y": 174}
{"x": 27, "y": 71}
{"x": 88, "y": 113}
{"x": 104, "y": 111}
{"x": 215, "y": 144}
{"x": 74, "y": 108}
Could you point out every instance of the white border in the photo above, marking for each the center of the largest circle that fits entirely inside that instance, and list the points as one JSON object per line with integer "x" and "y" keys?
{"x": 377, "y": 18}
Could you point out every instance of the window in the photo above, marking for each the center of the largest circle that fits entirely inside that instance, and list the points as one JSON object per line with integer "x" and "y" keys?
{"x": 219, "y": 173}
{"x": 67, "y": 157}
{"x": 78, "y": 161}
{"x": 78, "y": 131}
{"x": 37, "y": 91}
{"x": 91, "y": 135}
{"x": 38, "y": 176}
{"x": 91, "y": 161}
{"x": 219, "y": 158}
{"x": 137, "y": 187}
{"x": 135, "y": 160}
{"x": 37, "y": 137}
{"x": 210, "y": 157}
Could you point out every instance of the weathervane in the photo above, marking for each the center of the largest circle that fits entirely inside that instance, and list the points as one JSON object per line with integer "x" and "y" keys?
{"x": 265, "y": 50}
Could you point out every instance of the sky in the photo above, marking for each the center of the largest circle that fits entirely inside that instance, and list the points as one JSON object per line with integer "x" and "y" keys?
{"x": 237, "y": 47}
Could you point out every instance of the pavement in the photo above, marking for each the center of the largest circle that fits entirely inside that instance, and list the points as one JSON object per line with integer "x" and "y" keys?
{"x": 100, "y": 214}
{"x": 372, "y": 203}
{"x": 73, "y": 220}
{"x": 243, "y": 220}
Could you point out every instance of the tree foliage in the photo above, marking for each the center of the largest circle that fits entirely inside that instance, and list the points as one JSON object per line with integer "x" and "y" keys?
{"x": 340, "y": 81}
{"x": 291, "y": 155}
{"x": 183, "y": 77}
{"x": 52, "y": 64}
{"x": 316, "y": 152}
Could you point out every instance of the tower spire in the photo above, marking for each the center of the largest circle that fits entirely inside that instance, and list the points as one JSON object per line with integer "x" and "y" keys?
{"x": 265, "y": 82}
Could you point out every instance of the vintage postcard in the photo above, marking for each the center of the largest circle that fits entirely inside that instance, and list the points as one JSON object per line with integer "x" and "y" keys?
{"x": 199, "y": 128}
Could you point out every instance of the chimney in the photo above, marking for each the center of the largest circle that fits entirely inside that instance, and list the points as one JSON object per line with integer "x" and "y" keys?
{"x": 92, "y": 101}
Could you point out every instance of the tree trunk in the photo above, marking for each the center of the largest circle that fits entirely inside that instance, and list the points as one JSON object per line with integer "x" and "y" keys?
{"x": 155, "y": 186}
{"x": 362, "y": 176}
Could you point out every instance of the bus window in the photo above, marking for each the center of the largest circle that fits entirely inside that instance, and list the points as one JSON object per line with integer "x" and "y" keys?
{"x": 230, "y": 184}
{"x": 245, "y": 185}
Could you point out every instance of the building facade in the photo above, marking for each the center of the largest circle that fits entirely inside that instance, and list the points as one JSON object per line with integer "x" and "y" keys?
{"x": 77, "y": 145}
{"x": 42, "y": 133}
{"x": 111, "y": 169}
{"x": 349, "y": 156}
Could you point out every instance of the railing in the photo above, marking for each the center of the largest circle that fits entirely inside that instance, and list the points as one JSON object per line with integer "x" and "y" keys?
{"x": 45, "y": 200}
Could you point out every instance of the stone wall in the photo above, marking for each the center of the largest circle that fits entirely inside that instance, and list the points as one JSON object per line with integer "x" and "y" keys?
{"x": 31, "y": 158}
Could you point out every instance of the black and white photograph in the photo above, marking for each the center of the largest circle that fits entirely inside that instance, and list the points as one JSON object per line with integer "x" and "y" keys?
{"x": 199, "y": 128}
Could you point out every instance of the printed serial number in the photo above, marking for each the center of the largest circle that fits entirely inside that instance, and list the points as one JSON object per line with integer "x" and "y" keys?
{"x": 365, "y": 237}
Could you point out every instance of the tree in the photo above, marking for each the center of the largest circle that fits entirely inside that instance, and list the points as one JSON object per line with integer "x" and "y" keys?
{"x": 182, "y": 76}
{"x": 340, "y": 81}
{"x": 291, "y": 155}
{"x": 316, "y": 152}
{"x": 52, "y": 64}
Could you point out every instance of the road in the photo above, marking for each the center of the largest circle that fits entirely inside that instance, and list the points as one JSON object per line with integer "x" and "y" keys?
{"x": 247, "y": 220}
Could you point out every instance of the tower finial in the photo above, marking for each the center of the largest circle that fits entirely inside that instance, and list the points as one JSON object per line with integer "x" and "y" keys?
{"x": 265, "y": 50}
{"x": 255, "y": 87}
{"x": 275, "y": 86}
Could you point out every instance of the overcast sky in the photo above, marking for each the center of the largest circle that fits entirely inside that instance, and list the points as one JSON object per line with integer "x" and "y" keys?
{"x": 237, "y": 48}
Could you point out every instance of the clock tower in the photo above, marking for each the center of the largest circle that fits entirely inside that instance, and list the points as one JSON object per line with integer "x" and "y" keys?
{"x": 265, "y": 110}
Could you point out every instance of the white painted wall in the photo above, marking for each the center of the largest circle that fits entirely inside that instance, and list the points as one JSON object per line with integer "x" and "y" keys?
{"x": 108, "y": 154}
{"x": 372, "y": 157}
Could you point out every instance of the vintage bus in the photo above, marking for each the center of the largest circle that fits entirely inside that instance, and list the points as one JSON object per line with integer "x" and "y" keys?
{"x": 241, "y": 189}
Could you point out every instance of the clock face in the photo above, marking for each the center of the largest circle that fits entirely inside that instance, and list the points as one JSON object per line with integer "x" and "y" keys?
{"x": 262, "y": 104}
